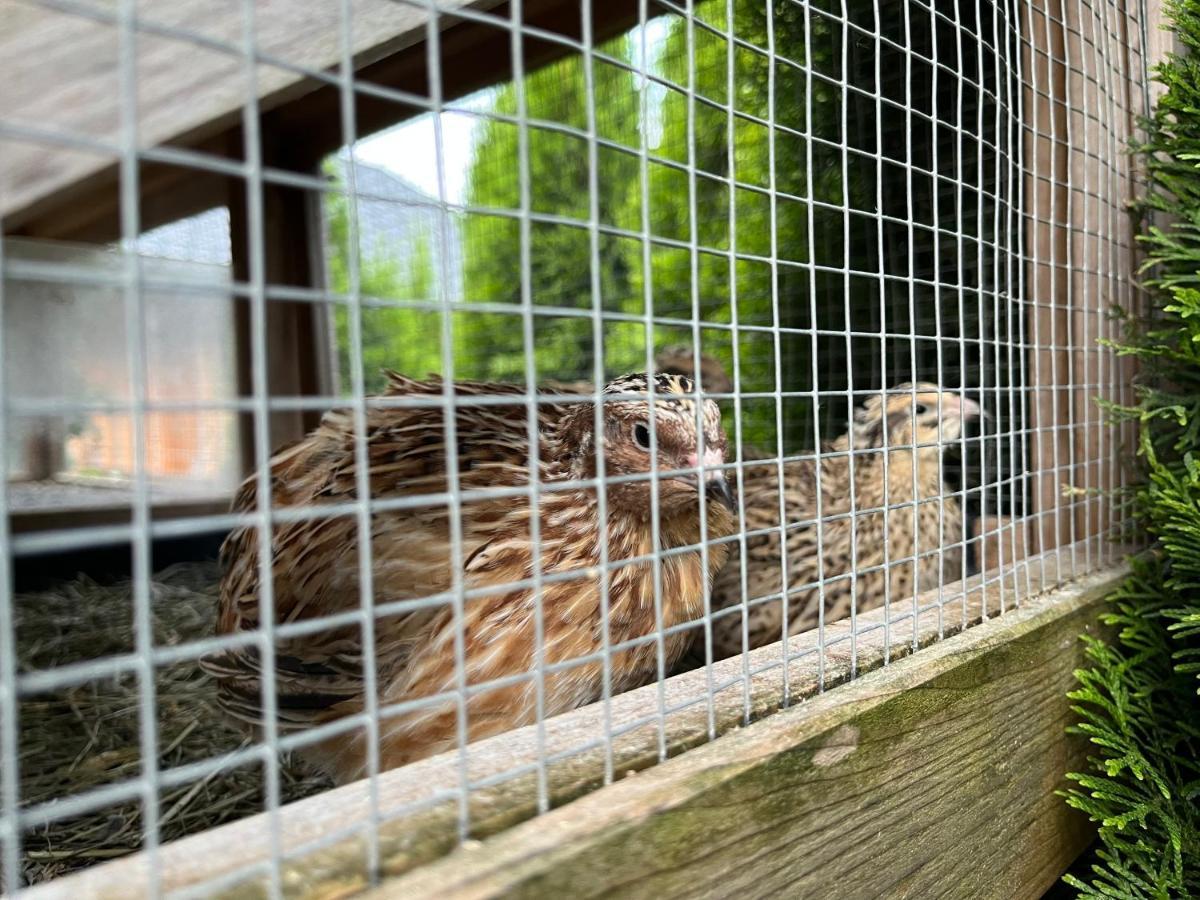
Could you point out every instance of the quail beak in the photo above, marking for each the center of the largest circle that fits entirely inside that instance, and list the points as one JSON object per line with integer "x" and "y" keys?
{"x": 965, "y": 407}
{"x": 716, "y": 486}
{"x": 970, "y": 409}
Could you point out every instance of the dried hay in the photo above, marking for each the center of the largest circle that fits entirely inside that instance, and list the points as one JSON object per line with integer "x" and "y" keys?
{"x": 87, "y": 736}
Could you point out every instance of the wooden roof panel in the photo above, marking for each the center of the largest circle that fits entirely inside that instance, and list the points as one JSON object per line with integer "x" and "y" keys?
{"x": 59, "y": 73}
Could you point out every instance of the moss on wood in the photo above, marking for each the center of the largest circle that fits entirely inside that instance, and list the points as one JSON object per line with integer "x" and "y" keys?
{"x": 937, "y": 772}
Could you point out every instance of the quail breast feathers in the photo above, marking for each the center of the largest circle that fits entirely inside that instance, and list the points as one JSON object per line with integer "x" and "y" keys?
{"x": 318, "y": 675}
{"x": 855, "y": 554}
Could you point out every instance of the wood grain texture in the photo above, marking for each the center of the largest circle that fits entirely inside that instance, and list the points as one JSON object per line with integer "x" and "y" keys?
{"x": 933, "y": 777}
{"x": 60, "y": 72}
{"x": 1046, "y": 158}
{"x": 296, "y": 343}
{"x": 998, "y": 541}
{"x": 60, "y": 110}
{"x": 322, "y": 836}
{"x": 1083, "y": 76}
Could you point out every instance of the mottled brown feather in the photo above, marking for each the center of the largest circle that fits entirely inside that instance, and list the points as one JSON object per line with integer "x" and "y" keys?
{"x": 318, "y": 677}
{"x": 851, "y": 569}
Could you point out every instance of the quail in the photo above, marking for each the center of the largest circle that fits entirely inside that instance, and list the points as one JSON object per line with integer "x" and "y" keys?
{"x": 440, "y": 667}
{"x": 847, "y": 555}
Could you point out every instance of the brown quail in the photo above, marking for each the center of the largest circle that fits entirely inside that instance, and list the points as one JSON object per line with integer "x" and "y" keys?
{"x": 318, "y": 675}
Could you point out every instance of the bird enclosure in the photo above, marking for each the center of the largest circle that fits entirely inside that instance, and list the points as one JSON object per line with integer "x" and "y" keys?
{"x": 420, "y": 417}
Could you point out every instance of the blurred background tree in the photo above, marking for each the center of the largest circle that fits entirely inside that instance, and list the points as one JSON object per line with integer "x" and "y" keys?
{"x": 842, "y": 275}
{"x": 392, "y": 336}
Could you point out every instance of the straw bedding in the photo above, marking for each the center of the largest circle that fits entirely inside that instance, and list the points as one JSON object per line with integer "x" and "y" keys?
{"x": 77, "y": 739}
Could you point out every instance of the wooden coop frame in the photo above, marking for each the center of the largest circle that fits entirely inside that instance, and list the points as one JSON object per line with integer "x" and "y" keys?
{"x": 978, "y": 719}
{"x": 78, "y": 200}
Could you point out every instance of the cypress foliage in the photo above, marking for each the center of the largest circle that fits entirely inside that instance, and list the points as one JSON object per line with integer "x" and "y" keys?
{"x": 1139, "y": 702}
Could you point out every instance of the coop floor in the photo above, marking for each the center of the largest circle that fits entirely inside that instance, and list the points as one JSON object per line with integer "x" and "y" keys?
{"x": 75, "y": 740}
{"x": 37, "y": 496}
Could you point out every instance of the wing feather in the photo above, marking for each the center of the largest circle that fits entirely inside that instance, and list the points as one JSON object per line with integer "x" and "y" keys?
{"x": 315, "y": 564}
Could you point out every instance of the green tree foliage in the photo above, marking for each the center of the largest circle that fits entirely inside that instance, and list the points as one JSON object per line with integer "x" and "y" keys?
{"x": 670, "y": 161}
{"x": 560, "y": 251}
{"x": 687, "y": 263}
{"x": 1138, "y": 702}
{"x": 393, "y": 336}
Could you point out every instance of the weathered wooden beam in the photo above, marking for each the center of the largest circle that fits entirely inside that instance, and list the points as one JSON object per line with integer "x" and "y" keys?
{"x": 322, "y": 837}
{"x": 57, "y": 518}
{"x": 294, "y": 341}
{"x": 188, "y": 91}
{"x": 192, "y": 92}
{"x": 1046, "y": 156}
{"x": 935, "y": 776}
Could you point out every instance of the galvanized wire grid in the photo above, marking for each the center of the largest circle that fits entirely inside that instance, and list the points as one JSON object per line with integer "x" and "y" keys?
{"x": 1021, "y": 253}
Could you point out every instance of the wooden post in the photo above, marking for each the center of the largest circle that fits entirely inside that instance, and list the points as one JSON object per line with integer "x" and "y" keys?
{"x": 294, "y": 339}
{"x": 1046, "y": 161}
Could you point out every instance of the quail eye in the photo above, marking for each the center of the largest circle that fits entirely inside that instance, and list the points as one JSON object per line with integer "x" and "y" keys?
{"x": 922, "y": 409}
{"x": 641, "y": 434}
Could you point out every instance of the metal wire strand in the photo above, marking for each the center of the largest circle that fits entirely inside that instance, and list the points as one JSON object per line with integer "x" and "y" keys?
{"x": 975, "y": 248}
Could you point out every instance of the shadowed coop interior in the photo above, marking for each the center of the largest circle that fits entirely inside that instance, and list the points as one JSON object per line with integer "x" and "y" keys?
{"x": 870, "y": 247}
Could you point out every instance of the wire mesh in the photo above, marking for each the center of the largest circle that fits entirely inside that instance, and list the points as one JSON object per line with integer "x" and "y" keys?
{"x": 883, "y": 238}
